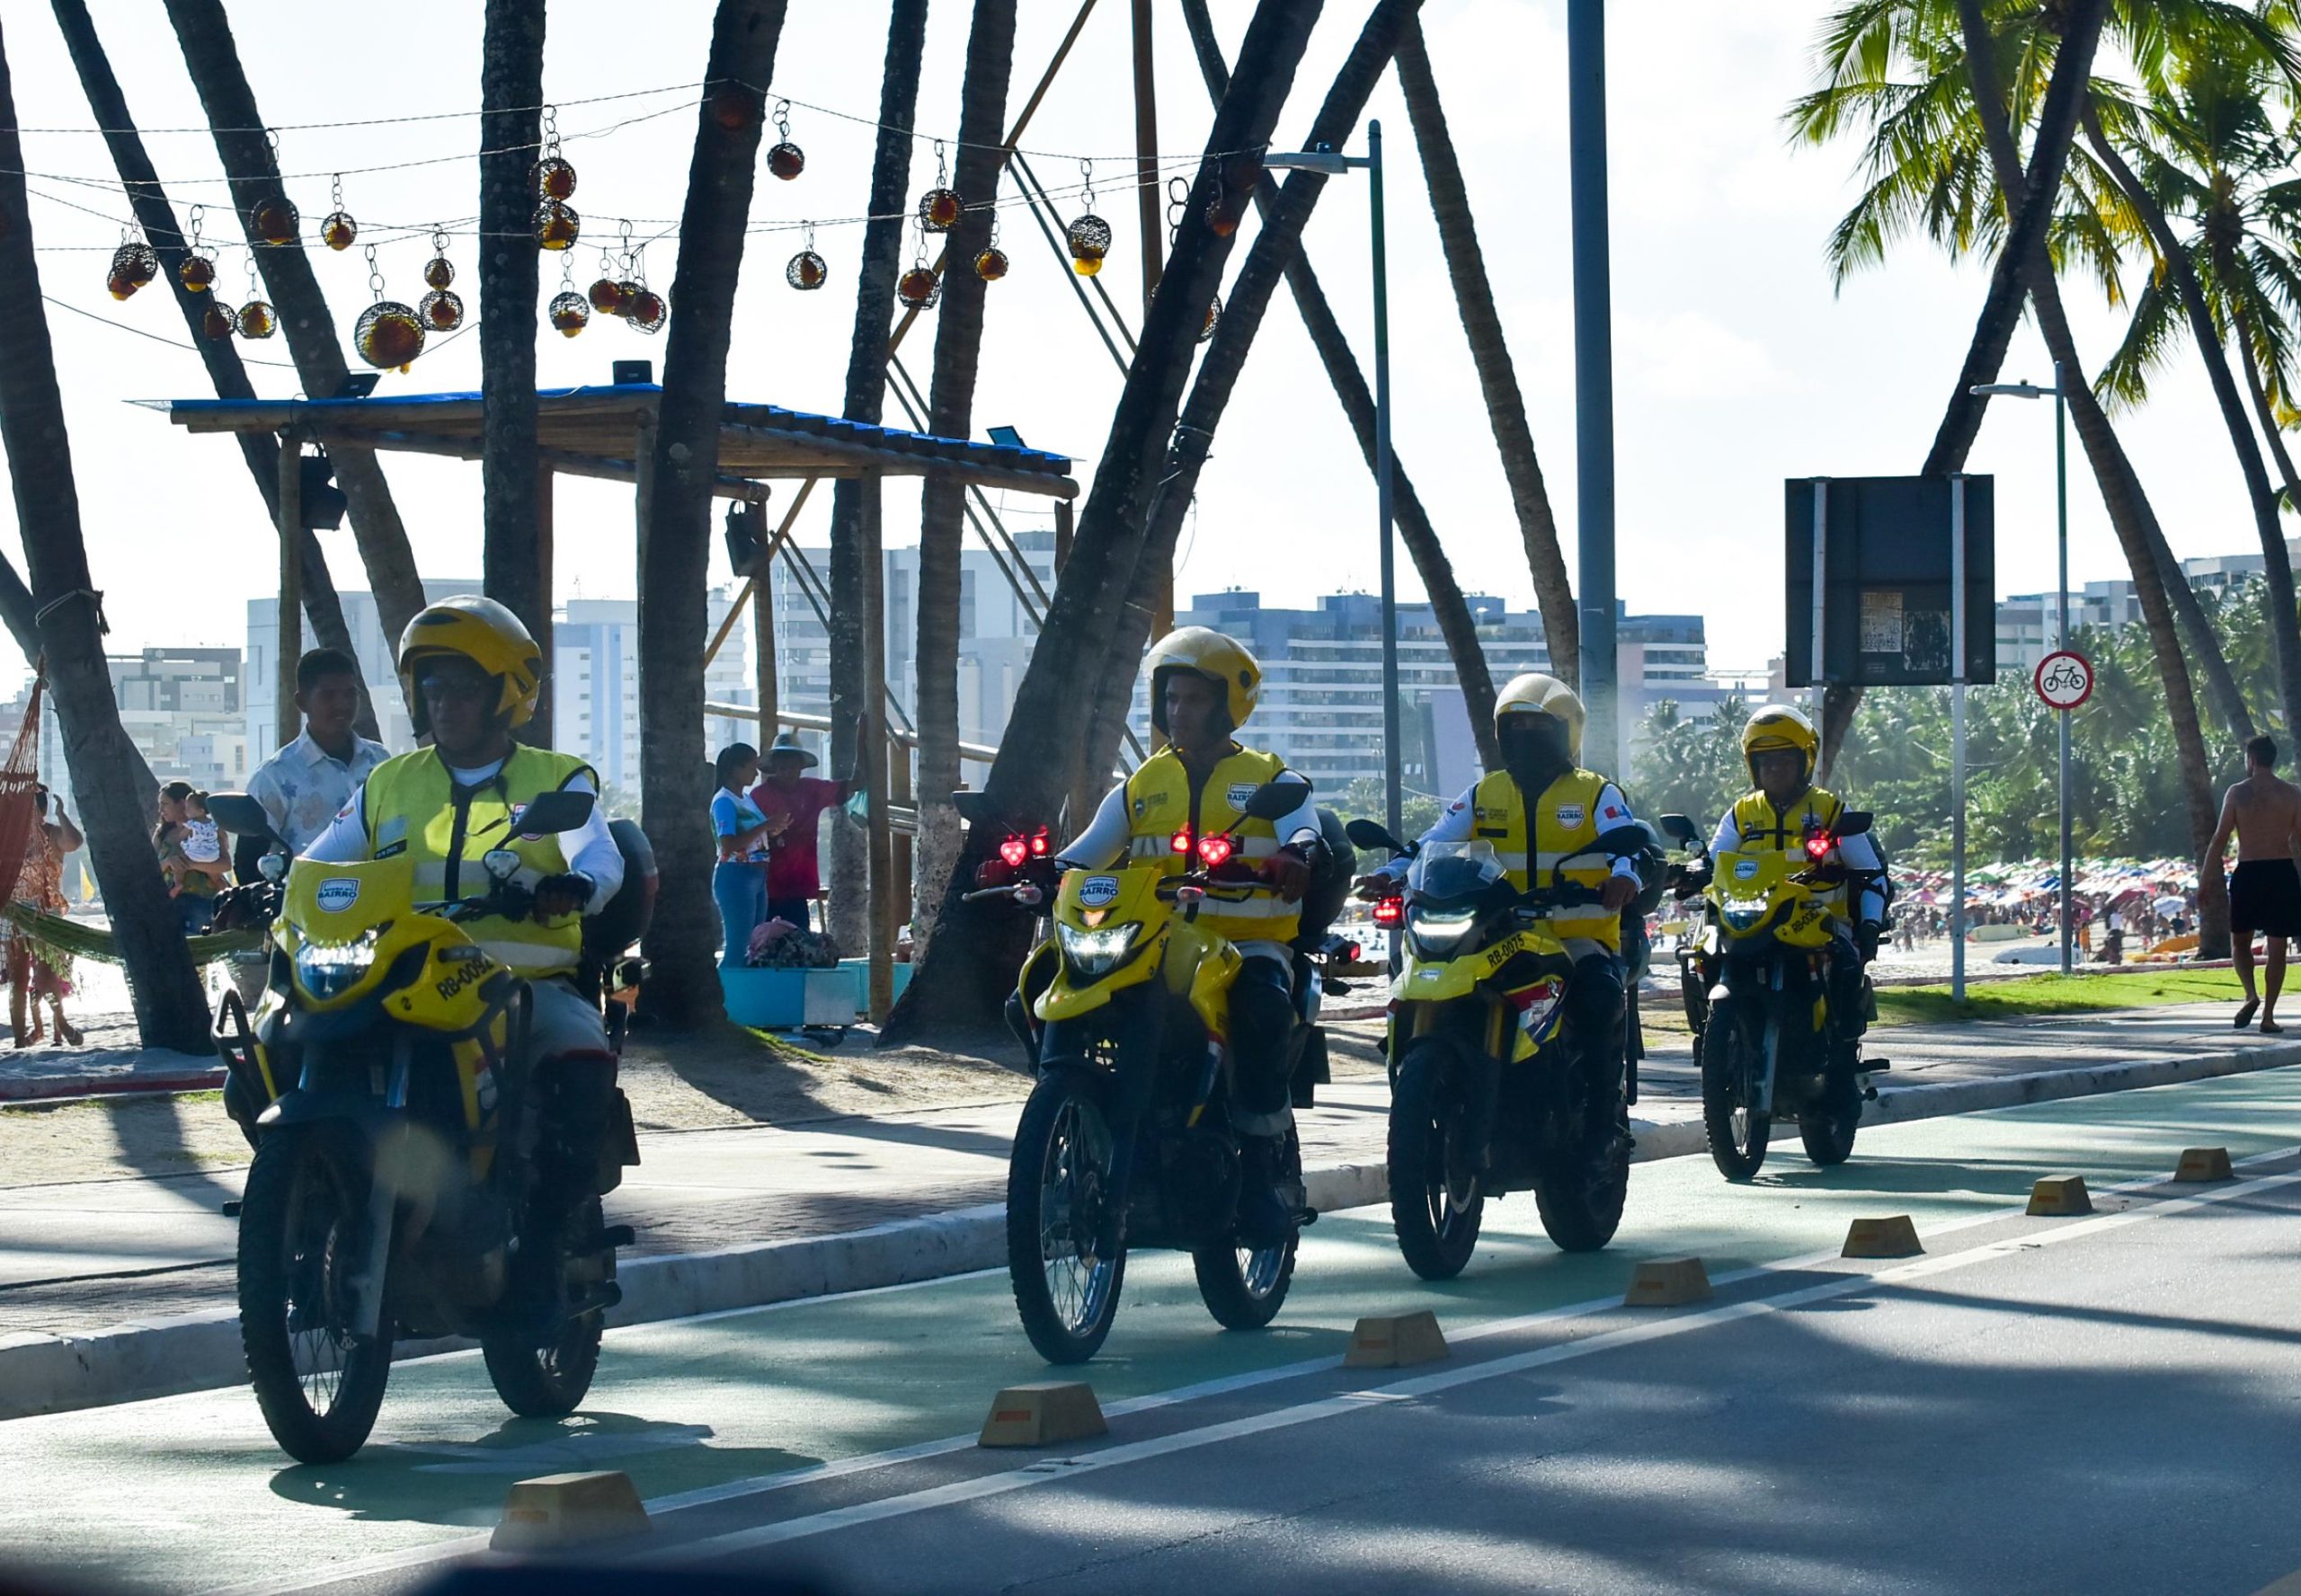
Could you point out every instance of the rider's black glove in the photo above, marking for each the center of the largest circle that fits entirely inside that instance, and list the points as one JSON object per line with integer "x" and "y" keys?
{"x": 564, "y": 894}
{"x": 1865, "y": 937}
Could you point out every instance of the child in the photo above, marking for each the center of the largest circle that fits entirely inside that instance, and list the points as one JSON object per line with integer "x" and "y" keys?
{"x": 201, "y": 843}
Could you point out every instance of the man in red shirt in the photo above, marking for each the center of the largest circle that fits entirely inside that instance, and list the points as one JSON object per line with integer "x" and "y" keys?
{"x": 794, "y": 878}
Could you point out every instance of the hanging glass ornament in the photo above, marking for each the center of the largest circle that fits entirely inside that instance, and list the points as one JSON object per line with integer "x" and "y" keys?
{"x": 438, "y": 272}
{"x": 216, "y": 322}
{"x": 1213, "y": 315}
{"x": 552, "y": 176}
{"x": 786, "y": 160}
{"x": 275, "y": 221}
{"x": 389, "y": 333}
{"x": 806, "y": 270}
{"x": 1088, "y": 238}
{"x": 557, "y": 226}
{"x": 569, "y": 311}
{"x": 607, "y": 296}
{"x": 339, "y": 230}
{"x": 735, "y": 106}
{"x": 133, "y": 264}
{"x": 196, "y": 273}
{"x": 939, "y": 209}
{"x": 255, "y": 317}
{"x": 644, "y": 310}
{"x": 920, "y": 288}
{"x": 441, "y": 310}
{"x": 1232, "y": 189}
{"x": 991, "y": 265}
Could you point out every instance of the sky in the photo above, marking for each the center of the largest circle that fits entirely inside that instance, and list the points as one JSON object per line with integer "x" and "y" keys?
{"x": 1737, "y": 363}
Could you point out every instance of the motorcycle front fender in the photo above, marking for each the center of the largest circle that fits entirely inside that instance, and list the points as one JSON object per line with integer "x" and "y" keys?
{"x": 310, "y": 1106}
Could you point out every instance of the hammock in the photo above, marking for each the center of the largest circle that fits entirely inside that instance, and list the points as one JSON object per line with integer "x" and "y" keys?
{"x": 83, "y": 941}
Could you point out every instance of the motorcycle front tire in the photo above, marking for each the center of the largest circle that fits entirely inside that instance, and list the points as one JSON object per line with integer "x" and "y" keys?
{"x": 304, "y": 1205}
{"x": 1739, "y": 1152}
{"x": 1437, "y": 1201}
{"x": 1581, "y": 1211}
{"x": 1062, "y": 1331}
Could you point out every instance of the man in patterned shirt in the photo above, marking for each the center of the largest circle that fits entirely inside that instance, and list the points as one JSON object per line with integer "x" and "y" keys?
{"x": 303, "y": 785}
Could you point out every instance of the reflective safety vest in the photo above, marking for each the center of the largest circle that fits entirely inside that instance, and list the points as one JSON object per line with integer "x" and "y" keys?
{"x": 1763, "y": 829}
{"x": 412, "y": 806}
{"x": 1160, "y": 801}
{"x": 1566, "y": 823}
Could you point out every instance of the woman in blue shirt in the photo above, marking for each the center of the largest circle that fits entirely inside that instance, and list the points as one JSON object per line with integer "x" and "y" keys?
{"x": 739, "y": 882}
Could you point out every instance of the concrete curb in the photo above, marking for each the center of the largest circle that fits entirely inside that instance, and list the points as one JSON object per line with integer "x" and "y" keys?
{"x": 128, "y": 1362}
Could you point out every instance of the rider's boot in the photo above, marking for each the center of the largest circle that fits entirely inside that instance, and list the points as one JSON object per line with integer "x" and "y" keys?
{"x": 1266, "y": 1218}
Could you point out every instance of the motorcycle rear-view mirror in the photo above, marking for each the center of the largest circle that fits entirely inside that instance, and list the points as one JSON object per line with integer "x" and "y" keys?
{"x": 1853, "y": 823}
{"x": 1632, "y": 838}
{"x": 1272, "y": 800}
{"x": 1369, "y": 835}
{"x": 239, "y": 814}
{"x": 1679, "y": 827}
{"x": 549, "y": 814}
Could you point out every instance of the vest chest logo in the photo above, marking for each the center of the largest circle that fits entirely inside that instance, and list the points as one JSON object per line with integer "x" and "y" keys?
{"x": 1745, "y": 870}
{"x": 1098, "y": 892}
{"x": 337, "y": 893}
{"x": 1241, "y": 792}
{"x": 1571, "y": 815}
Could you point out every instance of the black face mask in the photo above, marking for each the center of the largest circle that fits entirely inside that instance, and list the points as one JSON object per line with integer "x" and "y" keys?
{"x": 1535, "y": 752}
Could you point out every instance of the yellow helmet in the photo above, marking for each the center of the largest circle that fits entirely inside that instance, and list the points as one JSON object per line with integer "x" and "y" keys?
{"x": 490, "y": 636}
{"x": 1536, "y": 694}
{"x": 1214, "y": 656}
{"x": 1773, "y": 726}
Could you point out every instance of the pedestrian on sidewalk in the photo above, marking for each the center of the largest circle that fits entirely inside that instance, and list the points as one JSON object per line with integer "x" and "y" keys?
{"x": 2264, "y": 810}
{"x": 794, "y": 878}
{"x": 37, "y": 972}
{"x": 739, "y": 881}
{"x": 303, "y": 785}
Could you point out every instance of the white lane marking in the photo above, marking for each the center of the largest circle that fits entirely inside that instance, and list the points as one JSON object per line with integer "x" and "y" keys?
{"x": 768, "y": 1485}
{"x": 997, "y": 1485}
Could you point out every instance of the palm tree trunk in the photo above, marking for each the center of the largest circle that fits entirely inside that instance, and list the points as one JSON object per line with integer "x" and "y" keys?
{"x": 2284, "y": 622}
{"x": 1498, "y": 379}
{"x": 975, "y": 949}
{"x": 851, "y": 582}
{"x": 1456, "y": 625}
{"x": 674, "y": 558}
{"x": 158, "y": 218}
{"x": 213, "y": 60}
{"x": 2001, "y": 311}
{"x": 958, "y": 344}
{"x": 2257, "y": 390}
{"x": 510, "y": 130}
{"x": 1226, "y": 357}
{"x": 171, "y": 1009}
{"x": 2121, "y": 485}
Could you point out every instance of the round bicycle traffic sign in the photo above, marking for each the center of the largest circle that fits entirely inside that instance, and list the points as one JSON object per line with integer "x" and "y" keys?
{"x": 2064, "y": 680}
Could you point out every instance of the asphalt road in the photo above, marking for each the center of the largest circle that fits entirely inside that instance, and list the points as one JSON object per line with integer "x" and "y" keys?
{"x": 2101, "y": 1405}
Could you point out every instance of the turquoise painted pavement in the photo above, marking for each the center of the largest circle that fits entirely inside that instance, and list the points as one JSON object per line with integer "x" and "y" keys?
{"x": 188, "y": 1493}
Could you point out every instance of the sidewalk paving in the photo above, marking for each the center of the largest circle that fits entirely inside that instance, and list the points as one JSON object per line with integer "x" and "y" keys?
{"x": 82, "y": 1255}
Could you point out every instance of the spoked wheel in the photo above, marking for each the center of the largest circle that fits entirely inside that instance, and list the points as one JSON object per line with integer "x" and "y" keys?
{"x": 1057, "y": 1190}
{"x": 1437, "y": 1201}
{"x": 303, "y": 1226}
{"x": 1244, "y": 1287}
{"x": 1737, "y": 1133}
{"x": 1580, "y": 1196}
{"x": 542, "y": 1361}
{"x": 1829, "y": 1129}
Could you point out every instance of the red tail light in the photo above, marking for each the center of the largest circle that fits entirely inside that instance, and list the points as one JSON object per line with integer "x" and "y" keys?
{"x": 1817, "y": 846}
{"x": 1180, "y": 841}
{"x": 1014, "y": 850}
{"x": 1039, "y": 844}
{"x": 1389, "y": 911}
{"x": 1216, "y": 850}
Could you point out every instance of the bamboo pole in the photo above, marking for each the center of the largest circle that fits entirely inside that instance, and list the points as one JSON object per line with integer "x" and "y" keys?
{"x": 546, "y": 532}
{"x": 873, "y": 747}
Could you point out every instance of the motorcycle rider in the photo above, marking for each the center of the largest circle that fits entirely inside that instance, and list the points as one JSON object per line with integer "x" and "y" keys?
{"x": 1203, "y": 687}
{"x": 1780, "y": 747}
{"x": 472, "y": 675}
{"x": 1539, "y": 808}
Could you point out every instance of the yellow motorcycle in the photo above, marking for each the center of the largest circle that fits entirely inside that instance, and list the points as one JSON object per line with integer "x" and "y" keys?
{"x": 410, "y": 1177}
{"x": 1762, "y": 1046}
{"x": 1125, "y": 1141}
{"x": 1488, "y": 1095}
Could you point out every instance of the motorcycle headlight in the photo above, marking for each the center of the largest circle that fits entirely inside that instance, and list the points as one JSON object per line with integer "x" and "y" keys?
{"x": 1094, "y": 953}
{"x": 1743, "y": 914}
{"x": 1435, "y": 933}
{"x": 326, "y": 968}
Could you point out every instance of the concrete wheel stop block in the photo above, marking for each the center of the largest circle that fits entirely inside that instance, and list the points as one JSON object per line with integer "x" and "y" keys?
{"x": 1046, "y": 1414}
{"x": 560, "y": 1510}
{"x": 2204, "y": 1164}
{"x": 1396, "y": 1341}
{"x": 1668, "y": 1282}
{"x": 2058, "y": 1196}
{"x": 1894, "y": 1236}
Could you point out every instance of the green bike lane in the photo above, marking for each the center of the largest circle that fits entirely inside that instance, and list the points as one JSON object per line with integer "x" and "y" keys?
{"x": 189, "y": 1493}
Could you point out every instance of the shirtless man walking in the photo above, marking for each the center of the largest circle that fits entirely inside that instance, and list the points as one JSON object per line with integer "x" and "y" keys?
{"x": 2265, "y": 889}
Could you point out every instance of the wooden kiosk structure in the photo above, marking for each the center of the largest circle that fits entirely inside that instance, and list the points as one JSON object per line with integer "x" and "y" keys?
{"x": 608, "y": 431}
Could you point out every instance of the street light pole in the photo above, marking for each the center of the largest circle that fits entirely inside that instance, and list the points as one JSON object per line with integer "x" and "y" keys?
{"x": 1593, "y": 375}
{"x": 2060, "y": 395}
{"x": 1393, "y": 781}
